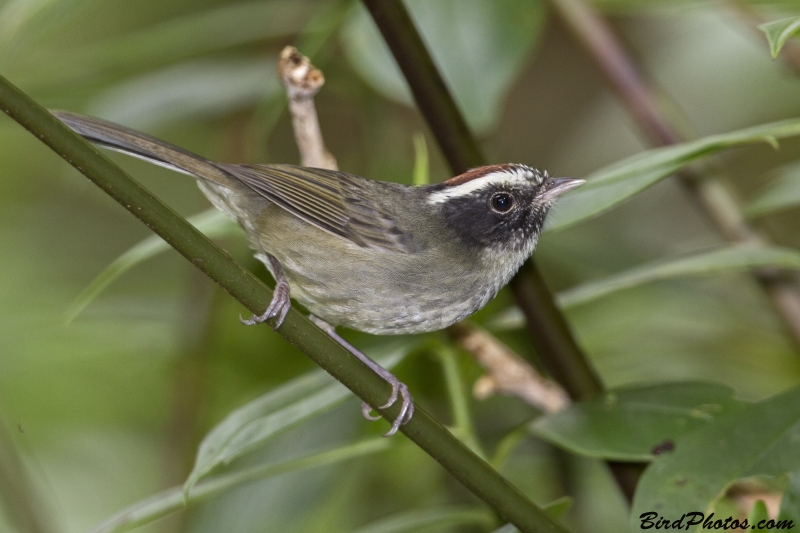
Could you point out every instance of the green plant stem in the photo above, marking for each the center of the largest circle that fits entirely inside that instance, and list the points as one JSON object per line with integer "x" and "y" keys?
{"x": 548, "y": 328}
{"x": 506, "y": 446}
{"x": 459, "y": 401}
{"x": 467, "y": 467}
{"x": 455, "y": 389}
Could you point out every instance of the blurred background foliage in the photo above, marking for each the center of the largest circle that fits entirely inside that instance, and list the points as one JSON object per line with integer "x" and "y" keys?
{"x": 109, "y": 409}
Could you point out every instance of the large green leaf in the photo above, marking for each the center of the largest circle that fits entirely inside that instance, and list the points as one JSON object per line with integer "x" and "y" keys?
{"x": 779, "y": 31}
{"x": 760, "y": 439}
{"x": 734, "y": 257}
{"x": 197, "y": 87}
{"x": 171, "y": 500}
{"x": 277, "y": 411}
{"x": 783, "y": 192}
{"x": 629, "y": 424}
{"x": 616, "y": 183}
{"x": 203, "y": 31}
{"x": 480, "y": 47}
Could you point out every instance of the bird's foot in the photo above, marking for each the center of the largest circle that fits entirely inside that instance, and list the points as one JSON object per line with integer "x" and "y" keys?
{"x": 281, "y": 302}
{"x": 399, "y": 389}
{"x": 406, "y": 409}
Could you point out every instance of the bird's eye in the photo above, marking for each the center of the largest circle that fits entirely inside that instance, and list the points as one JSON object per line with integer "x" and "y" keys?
{"x": 502, "y": 202}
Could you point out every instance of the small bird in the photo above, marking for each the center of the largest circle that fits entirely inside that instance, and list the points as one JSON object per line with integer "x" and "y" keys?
{"x": 378, "y": 257}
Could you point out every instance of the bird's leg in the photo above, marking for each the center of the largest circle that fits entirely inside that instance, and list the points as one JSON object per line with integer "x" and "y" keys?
{"x": 398, "y": 388}
{"x": 280, "y": 303}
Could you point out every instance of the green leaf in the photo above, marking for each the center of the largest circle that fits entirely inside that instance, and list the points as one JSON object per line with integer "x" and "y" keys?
{"x": 171, "y": 500}
{"x": 166, "y": 41}
{"x": 759, "y": 439}
{"x": 616, "y": 183}
{"x": 480, "y": 47}
{"x": 558, "y": 508}
{"x": 198, "y": 87}
{"x": 628, "y": 424}
{"x": 213, "y": 222}
{"x": 277, "y": 411}
{"x": 506, "y": 446}
{"x": 463, "y": 426}
{"x": 728, "y": 258}
{"x": 779, "y": 31}
{"x": 429, "y": 519}
{"x": 421, "y": 175}
{"x": 204, "y": 31}
{"x": 758, "y": 513}
{"x": 783, "y": 192}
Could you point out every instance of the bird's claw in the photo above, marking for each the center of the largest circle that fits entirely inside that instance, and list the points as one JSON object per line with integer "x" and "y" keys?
{"x": 399, "y": 389}
{"x": 278, "y": 307}
{"x": 366, "y": 410}
{"x": 406, "y": 411}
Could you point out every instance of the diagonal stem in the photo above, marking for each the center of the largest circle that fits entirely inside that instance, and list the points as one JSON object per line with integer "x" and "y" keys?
{"x": 464, "y": 465}
{"x": 427, "y": 85}
{"x": 547, "y": 326}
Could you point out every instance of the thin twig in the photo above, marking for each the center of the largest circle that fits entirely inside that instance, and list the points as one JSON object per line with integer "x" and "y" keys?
{"x": 302, "y": 81}
{"x": 639, "y": 98}
{"x": 506, "y": 372}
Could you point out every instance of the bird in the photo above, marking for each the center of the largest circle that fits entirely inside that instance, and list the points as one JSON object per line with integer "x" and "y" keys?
{"x": 374, "y": 256}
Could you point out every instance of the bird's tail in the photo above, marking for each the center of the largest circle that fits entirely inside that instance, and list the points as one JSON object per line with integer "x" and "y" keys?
{"x": 137, "y": 144}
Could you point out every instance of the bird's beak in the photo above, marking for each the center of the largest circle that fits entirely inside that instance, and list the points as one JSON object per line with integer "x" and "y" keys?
{"x": 555, "y": 187}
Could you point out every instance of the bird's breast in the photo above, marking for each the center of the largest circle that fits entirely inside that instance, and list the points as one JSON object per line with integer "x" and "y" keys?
{"x": 378, "y": 291}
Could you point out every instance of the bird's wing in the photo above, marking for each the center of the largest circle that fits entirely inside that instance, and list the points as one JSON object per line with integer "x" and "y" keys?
{"x": 330, "y": 200}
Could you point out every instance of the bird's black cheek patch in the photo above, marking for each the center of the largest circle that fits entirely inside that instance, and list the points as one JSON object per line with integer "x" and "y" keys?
{"x": 478, "y": 226}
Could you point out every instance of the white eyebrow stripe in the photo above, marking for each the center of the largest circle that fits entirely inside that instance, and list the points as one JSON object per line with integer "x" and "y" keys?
{"x": 515, "y": 177}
